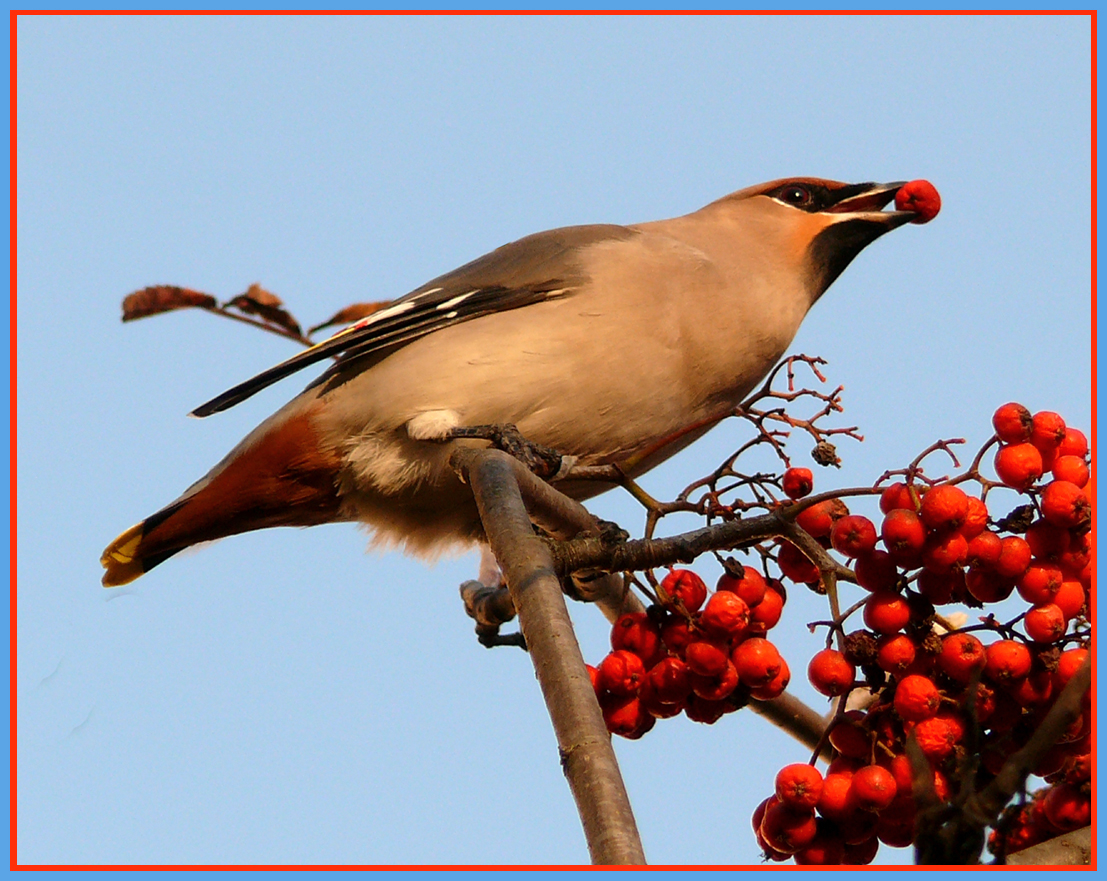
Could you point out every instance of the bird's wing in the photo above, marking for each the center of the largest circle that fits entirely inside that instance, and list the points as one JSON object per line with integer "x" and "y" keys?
{"x": 531, "y": 270}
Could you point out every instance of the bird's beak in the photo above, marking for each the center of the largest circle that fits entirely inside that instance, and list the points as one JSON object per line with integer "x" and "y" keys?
{"x": 854, "y": 220}
{"x": 867, "y": 201}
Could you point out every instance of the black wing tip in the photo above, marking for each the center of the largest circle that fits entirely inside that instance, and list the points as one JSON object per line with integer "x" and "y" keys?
{"x": 222, "y": 402}
{"x": 203, "y": 411}
{"x": 233, "y": 396}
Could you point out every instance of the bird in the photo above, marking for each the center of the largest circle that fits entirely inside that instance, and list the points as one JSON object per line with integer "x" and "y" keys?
{"x": 608, "y": 344}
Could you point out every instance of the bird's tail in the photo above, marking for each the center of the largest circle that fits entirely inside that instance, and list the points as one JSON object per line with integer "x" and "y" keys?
{"x": 126, "y": 558}
{"x": 279, "y": 476}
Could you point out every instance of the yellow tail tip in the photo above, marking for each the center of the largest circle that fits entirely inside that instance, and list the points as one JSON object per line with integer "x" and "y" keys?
{"x": 119, "y": 559}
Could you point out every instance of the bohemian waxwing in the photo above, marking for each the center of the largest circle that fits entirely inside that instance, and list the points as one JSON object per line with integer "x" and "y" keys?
{"x": 608, "y": 344}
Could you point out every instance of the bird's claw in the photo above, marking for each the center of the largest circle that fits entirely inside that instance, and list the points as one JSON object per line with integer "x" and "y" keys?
{"x": 544, "y": 462}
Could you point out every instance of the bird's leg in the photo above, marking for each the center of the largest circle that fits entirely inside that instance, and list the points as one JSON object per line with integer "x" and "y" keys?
{"x": 542, "y": 461}
{"x": 489, "y": 573}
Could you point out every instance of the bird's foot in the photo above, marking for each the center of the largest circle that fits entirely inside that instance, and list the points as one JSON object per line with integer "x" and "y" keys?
{"x": 490, "y": 607}
{"x": 543, "y": 461}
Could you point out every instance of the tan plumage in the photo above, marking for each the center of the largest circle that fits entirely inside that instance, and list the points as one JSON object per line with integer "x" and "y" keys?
{"x": 606, "y": 343}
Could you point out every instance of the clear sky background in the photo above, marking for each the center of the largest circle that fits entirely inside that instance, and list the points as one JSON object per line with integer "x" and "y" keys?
{"x": 284, "y": 697}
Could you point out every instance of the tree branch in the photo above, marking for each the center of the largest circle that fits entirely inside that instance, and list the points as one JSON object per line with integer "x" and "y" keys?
{"x": 587, "y": 756}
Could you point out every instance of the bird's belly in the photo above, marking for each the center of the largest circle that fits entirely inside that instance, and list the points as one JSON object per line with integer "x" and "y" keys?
{"x": 575, "y": 381}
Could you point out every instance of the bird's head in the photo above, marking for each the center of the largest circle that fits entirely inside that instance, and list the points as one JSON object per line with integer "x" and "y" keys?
{"x": 821, "y": 224}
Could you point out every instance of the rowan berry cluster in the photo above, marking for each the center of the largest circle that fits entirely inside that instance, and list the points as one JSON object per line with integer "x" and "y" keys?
{"x": 692, "y": 653}
{"x": 1062, "y": 807}
{"x": 969, "y": 696}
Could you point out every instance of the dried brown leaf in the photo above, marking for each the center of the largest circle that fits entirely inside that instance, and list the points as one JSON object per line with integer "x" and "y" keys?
{"x": 164, "y": 298}
{"x": 352, "y": 313}
{"x": 266, "y": 306}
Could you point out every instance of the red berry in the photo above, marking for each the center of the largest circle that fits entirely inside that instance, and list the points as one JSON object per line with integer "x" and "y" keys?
{"x": 766, "y": 614}
{"x": 1047, "y": 541}
{"x": 1077, "y": 557}
{"x": 636, "y": 632}
{"x": 1045, "y": 623}
{"x": 706, "y": 658}
{"x": 921, "y": 197}
{"x": 717, "y": 686}
{"x": 984, "y": 698}
{"x": 669, "y": 680}
{"x": 1068, "y": 665}
{"x": 853, "y": 535}
{"x": 795, "y": 566}
{"x": 900, "y": 768}
{"x": 859, "y": 826}
{"x": 1070, "y": 598}
{"x": 676, "y": 635}
{"x": 1071, "y": 468}
{"x": 872, "y": 788}
{"x": 1014, "y": 557}
{"x": 775, "y": 687}
{"x": 1033, "y": 690}
{"x": 944, "y": 507}
{"x": 798, "y": 482}
{"x": 621, "y": 672}
{"x": 757, "y": 661}
{"x": 976, "y": 520}
{"x": 686, "y": 586}
{"x": 748, "y": 583}
{"x": 725, "y": 615}
{"x": 916, "y": 698}
{"x": 1012, "y": 423}
{"x": 895, "y": 653}
{"x": 876, "y": 571}
{"x": 843, "y": 764}
{"x": 1064, "y": 504}
{"x": 886, "y": 612}
{"x": 758, "y": 816}
{"x": 895, "y": 833}
{"x": 943, "y": 551}
{"x": 1067, "y": 807}
{"x": 786, "y": 830}
{"x": 988, "y": 586}
{"x": 819, "y": 518}
{"x": 708, "y": 712}
{"x": 1007, "y": 661}
{"x": 830, "y": 673}
{"x": 834, "y": 797}
{"x": 900, "y": 495}
{"x": 798, "y": 786}
{"x": 850, "y": 737}
{"x": 903, "y": 533}
{"x": 862, "y": 853}
{"x": 825, "y": 849}
{"x": 962, "y": 654}
{"x": 1040, "y": 583}
{"x": 1074, "y": 444}
{"x": 1019, "y": 465}
{"x": 939, "y": 735}
{"x": 1047, "y": 432}
{"x": 759, "y": 812}
{"x": 625, "y": 716}
{"x": 652, "y": 704}
{"x": 984, "y": 550}
{"x": 942, "y": 587}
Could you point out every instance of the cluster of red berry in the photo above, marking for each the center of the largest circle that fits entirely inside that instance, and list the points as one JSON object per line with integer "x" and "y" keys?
{"x": 1063, "y": 806}
{"x": 700, "y": 655}
{"x": 931, "y": 680}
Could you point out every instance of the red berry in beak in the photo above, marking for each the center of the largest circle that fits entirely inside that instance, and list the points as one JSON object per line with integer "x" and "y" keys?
{"x": 921, "y": 197}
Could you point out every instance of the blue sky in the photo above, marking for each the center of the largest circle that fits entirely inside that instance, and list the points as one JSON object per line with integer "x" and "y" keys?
{"x": 285, "y": 697}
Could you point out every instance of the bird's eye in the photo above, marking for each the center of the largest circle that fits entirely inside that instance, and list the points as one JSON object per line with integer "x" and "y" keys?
{"x": 796, "y": 195}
